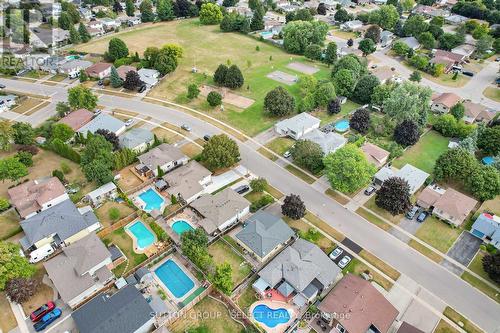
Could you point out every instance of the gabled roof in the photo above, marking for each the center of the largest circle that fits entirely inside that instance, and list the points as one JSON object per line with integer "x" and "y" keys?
{"x": 455, "y": 204}
{"x": 219, "y": 208}
{"x": 104, "y": 189}
{"x": 63, "y": 219}
{"x": 412, "y": 42}
{"x": 125, "y": 311}
{"x": 365, "y": 305}
{"x": 413, "y": 175}
{"x": 299, "y": 264}
{"x": 124, "y": 69}
{"x": 488, "y": 225}
{"x": 102, "y": 121}
{"x": 186, "y": 179}
{"x": 30, "y": 196}
{"x": 77, "y": 118}
{"x": 98, "y": 68}
{"x": 135, "y": 137}
{"x": 264, "y": 232}
{"x": 299, "y": 122}
{"x": 76, "y": 63}
{"x": 161, "y": 155}
{"x": 69, "y": 269}
{"x": 329, "y": 142}
{"x": 374, "y": 153}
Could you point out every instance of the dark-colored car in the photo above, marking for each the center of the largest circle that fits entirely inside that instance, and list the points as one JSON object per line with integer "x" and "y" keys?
{"x": 41, "y": 311}
{"x": 142, "y": 88}
{"x": 242, "y": 189}
{"x": 422, "y": 216}
{"x": 411, "y": 214}
{"x": 48, "y": 319}
{"x": 2, "y": 86}
{"x": 206, "y": 137}
{"x": 467, "y": 73}
{"x": 370, "y": 190}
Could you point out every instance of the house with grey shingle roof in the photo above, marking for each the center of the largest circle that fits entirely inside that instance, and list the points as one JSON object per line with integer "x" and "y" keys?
{"x": 297, "y": 126}
{"x": 126, "y": 311}
{"x": 60, "y": 225}
{"x": 136, "y": 139}
{"x": 487, "y": 228}
{"x": 165, "y": 156}
{"x": 329, "y": 142}
{"x": 264, "y": 234}
{"x": 301, "y": 272}
{"x": 103, "y": 121}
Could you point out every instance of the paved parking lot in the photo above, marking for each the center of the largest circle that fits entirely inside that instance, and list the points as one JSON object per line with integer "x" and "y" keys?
{"x": 463, "y": 251}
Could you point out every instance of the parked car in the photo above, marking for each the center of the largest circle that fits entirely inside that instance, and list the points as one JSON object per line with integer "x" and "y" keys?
{"x": 129, "y": 122}
{"x": 186, "y": 127}
{"x": 467, "y": 73}
{"x": 422, "y": 216}
{"x": 242, "y": 189}
{"x": 287, "y": 154}
{"x": 2, "y": 86}
{"x": 344, "y": 261}
{"x": 142, "y": 88}
{"x": 370, "y": 190}
{"x": 47, "y": 319}
{"x": 336, "y": 253}
{"x": 206, "y": 137}
{"x": 41, "y": 311}
{"x": 98, "y": 111}
{"x": 412, "y": 212}
{"x": 100, "y": 83}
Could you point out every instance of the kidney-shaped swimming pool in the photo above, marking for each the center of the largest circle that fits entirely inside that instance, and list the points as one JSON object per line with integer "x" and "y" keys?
{"x": 270, "y": 317}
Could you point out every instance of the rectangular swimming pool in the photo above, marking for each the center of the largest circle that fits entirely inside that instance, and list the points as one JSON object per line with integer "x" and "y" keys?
{"x": 152, "y": 200}
{"x": 174, "y": 278}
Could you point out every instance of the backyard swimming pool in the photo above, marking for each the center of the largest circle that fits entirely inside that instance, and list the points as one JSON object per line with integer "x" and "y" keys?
{"x": 181, "y": 226}
{"x": 142, "y": 234}
{"x": 152, "y": 200}
{"x": 174, "y": 278}
{"x": 488, "y": 160}
{"x": 270, "y": 317}
{"x": 342, "y": 125}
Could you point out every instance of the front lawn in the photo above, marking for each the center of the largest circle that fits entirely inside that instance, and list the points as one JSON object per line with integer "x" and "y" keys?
{"x": 476, "y": 266}
{"x": 424, "y": 153}
{"x": 310, "y": 234}
{"x": 221, "y": 252}
{"x": 438, "y": 234}
{"x": 280, "y": 145}
{"x": 371, "y": 205}
{"x": 121, "y": 239}
{"x": 357, "y": 267}
{"x": 7, "y": 318}
{"x": 103, "y": 212}
{"x": 43, "y": 293}
{"x": 9, "y": 224}
{"x": 492, "y": 93}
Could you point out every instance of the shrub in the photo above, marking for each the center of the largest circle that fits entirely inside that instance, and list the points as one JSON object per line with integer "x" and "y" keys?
{"x": 114, "y": 213}
{"x": 63, "y": 149}
{"x": 160, "y": 233}
{"x": 262, "y": 202}
{"x": 173, "y": 199}
{"x": 65, "y": 168}
{"x": 25, "y": 158}
{"x": 258, "y": 185}
{"x": 214, "y": 98}
{"x": 59, "y": 174}
{"x": 192, "y": 91}
{"x": 4, "y": 204}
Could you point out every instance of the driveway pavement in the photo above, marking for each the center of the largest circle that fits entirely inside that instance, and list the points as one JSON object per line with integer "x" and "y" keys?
{"x": 61, "y": 325}
{"x": 410, "y": 226}
{"x": 463, "y": 251}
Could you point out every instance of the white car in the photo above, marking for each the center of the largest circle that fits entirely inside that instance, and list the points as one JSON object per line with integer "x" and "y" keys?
{"x": 287, "y": 154}
{"x": 336, "y": 253}
{"x": 344, "y": 261}
{"x": 186, "y": 127}
{"x": 97, "y": 112}
{"x": 129, "y": 122}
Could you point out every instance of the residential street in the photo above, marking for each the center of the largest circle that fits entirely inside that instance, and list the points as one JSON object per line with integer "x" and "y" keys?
{"x": 431, "y": 276}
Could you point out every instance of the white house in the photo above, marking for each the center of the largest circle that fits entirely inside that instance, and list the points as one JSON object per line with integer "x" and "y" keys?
{"x": 414, "y": 176}
{"x": 149, "y": 76}
{"x": 165, "y": 156}
{"x": 107, "y": 191}
{"x": 297, "y": 126}
{"x": 136, "y": 139}
{"x": 73, "y": 67}
{"x": 329, "y": 142}
{"x": 103, "y": 121}
{"x": 6, "y": 102}
{"x": 351, "y": 25}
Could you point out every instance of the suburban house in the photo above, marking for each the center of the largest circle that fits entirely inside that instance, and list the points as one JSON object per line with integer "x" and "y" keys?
{"x": 383, "y": 74}
{"x": 220, "y": 210}
{"x": 85, "y": 13}
{"x": 465, "y": 50}
{"x": 475, "y": 112}
{"x": 125, "y": 311}
{"x": 188, "y": 182}
{"x": 301, "y": 272}
{"x": 105, "y": 122}
{"x": 35, "y": 196}
{"x": 136, "y": 139}
{"x": 60, "y": 225}
{"x": 329, "y": 142}
{"x": 80, "y": 270}
{"x": 7, "y": 101}
{"x": 447, "y": 58}
{"x": 77, "y": 118}
{"x": 374, "y": 154}
{"x": 386, "y": 38}
{"x": 149, "y": 76}
{"x": 429, "y": 11}
{"x": 487, "y": 228}
{"x": 105, "y": 192}
{"x": 165, "y": 156}
{"x": 354, "y": 305}
{"x": 351, "y": 25}
{"x": 411, "y": 42}
{"x": 448, "y": 205}
{"x": 442, "y": 103}
{"x": 264, "y": 234}
{"x": 414, "y": 176}
{"x": 455, "y": 19}
{"x": 99, "y": 70}
{"x": 297, "y": 126}
{"x": 124, "y": 69}
{"x": 110, "y": 24}
{"x": 73, "y": 67}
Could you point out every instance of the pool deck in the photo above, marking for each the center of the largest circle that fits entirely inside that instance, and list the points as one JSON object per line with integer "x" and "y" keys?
{"x": 142, "y": 204}
{"x": 150, "y": 250}
{"x": 165, "y": 288}
{"x": 275, "y": 305}
{"x": 187, "y": 215}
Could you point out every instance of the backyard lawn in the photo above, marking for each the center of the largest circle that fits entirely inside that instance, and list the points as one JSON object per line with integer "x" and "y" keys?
{"x": 222, "y": 252}
{"x": 205, "y": 47}
{"x": 121, "y": 239}
{"x": 345, "y": 109}
{"x": 209, "y": 314}
{"x": 9, "y": 224}
{"x": 247, "y": 298}
{"x": 103, "y": 212}
{"x": 438, "y": 234}
{"x": 424, "y": 153}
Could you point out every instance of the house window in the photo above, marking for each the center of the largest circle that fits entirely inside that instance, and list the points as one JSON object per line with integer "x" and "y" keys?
{"x": 340, "y": 328}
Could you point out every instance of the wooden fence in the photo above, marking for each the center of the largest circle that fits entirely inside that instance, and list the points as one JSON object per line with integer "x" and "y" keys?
{"x": 115, "y": 226}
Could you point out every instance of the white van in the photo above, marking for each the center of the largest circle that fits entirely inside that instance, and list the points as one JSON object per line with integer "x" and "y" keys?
{"x": 41, "y": 253}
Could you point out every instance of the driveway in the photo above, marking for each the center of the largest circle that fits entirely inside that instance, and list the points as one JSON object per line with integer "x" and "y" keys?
{"x": 65, "y": 323}
{"x": 463, "y": 251}
{"x": 410, "y": 226}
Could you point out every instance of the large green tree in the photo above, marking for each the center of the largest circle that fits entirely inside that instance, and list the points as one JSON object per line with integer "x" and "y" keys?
{"x": 62, "y": 132}
{"x": 194, "y": 245}
{"x": 347, "y": 169}
{"x": 81, "y": 97}
{"x": 408, "y": 101}
{"x": 220, "y": 152}
{"x": 6, "y": 134}
{"x": 117, "y": 49}
{"x": 84, "y": 33}
{"x": 394, "y": 196}
{"x": 97, "y": 159}
{"x": 12, "y": 169}
{"x": 345, "y": 82}
{"x": 364, "y": 88}
{"x": 223, "y": 278}
{"x": 115, "y": 79}
{"x": 12, "y": 264}
{"x": 367, "y": 46}
{"x": 415, "y": 25}
{"x": 308, "y": 155}
{"x": 210, "y": 13}
{"x": 297, "y": 35}
{"x": 146, "y": 9}
{"x": 24, "y": 134}
{"x": 278, "y": 102}
{"x": 165, "y": 10}
{"x": 330, "y": 53}
{"x": 489, "y": 140}
{"x": 129, "y": 7}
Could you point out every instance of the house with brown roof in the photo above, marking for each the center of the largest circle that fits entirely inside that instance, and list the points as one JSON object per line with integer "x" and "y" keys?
{"x": 188, "y": 182}
{"x": 442, "y": 103}
{"x": 77, "y": 119}
{"x": 99, "y": 70}
{"x": 374, "y": 154}
{"x": 34, "y": 196}
{"x": 355, "y": 306}
{"x": 475, "y": 112}
{"x": 124, "y": 69}
{"x": 165, "y": 156}
{"x": 448, "y": 59}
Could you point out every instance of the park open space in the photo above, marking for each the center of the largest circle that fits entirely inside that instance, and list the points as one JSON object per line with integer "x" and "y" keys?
{"x": 205, "y": 47}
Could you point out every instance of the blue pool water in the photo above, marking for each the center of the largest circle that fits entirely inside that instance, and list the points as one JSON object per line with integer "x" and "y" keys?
{"x": 487, "y": 160}
{"x": 73, "y": 57}
{"x": 144, "y": 237}
{"x": 152, "y": 199}
{"x": 266, "y": 34}
{"x": 181, "y": 226}
{"x": 174, "y": 278}
{"x": 342, "y": 125}
{"x": 270, "y": 317}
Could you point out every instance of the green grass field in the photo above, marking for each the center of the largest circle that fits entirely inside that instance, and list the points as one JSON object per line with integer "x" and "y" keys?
{"x": 205, "y": 47}
{"x": 425, "y": 152}
{"x": 222, "y": 252}
{"x": 438, "y": 234}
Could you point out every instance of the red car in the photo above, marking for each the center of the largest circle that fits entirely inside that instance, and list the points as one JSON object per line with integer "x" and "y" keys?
{"x": 41, "y": 311}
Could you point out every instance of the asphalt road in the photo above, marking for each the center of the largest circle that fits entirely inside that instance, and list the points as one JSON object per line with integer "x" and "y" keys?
{"x": 436, "y": 279}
